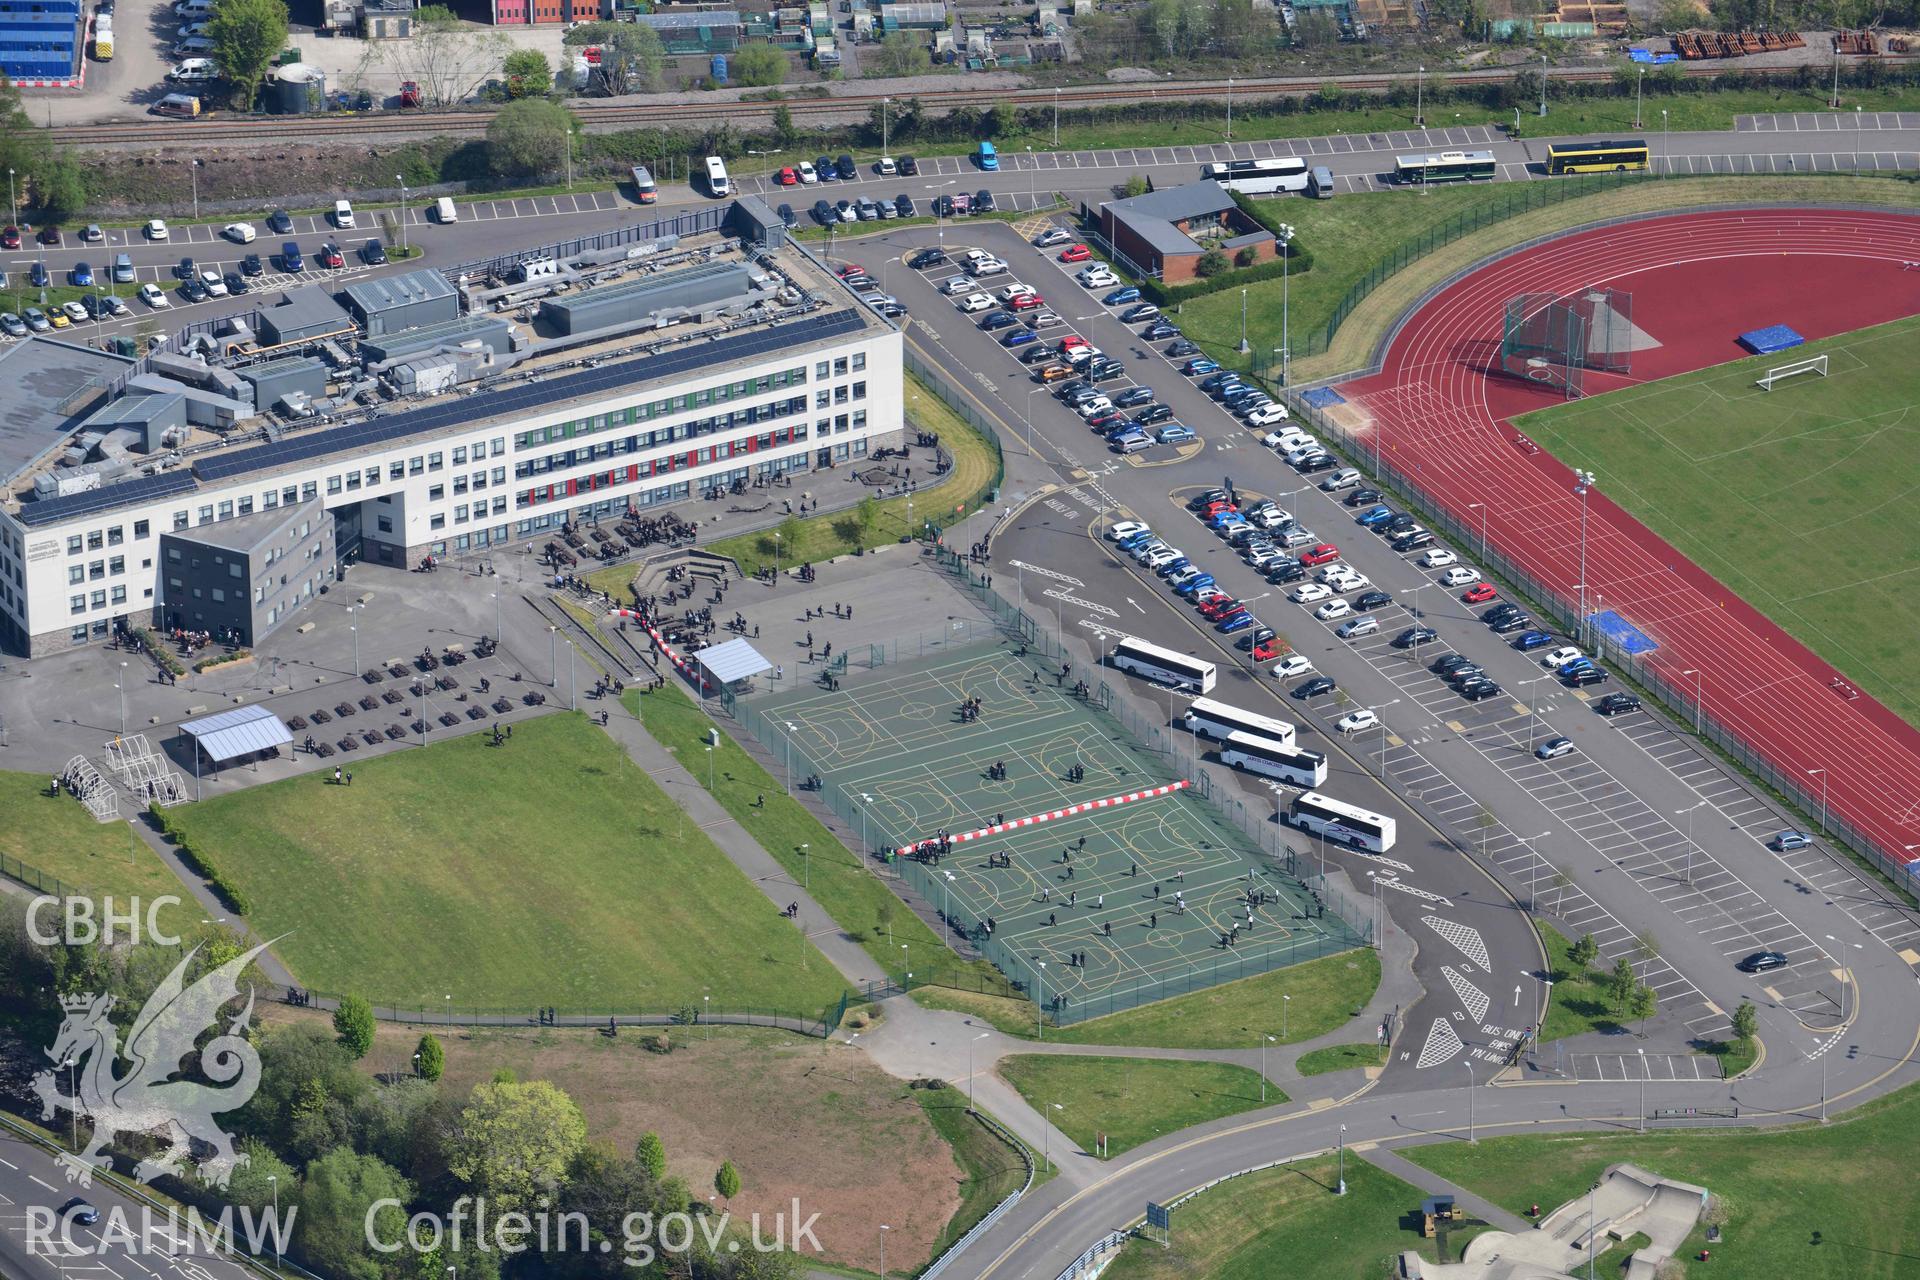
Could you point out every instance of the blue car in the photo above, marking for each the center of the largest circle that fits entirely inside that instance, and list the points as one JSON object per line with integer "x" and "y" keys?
{"x": 1221, "y": 519}
{"x": 1174, "y": 566}
{"x": 81, "y": 276}
{"x": 1124, "y": 427}
{"x": 1373, "y": 517}
{"x": 998, "y": 320}
{"x": 1133, "y": 396}
{"x": 1120, "y": 296}
{"x": 1019, "y": 338}
{"x": 1174, "y": 433}
{"x": 1199, "y": 365}
{"x": 1528, "y": 640}
{"x": 290, "y": 259}
{"x": 1194, "y": 586}
{"x": 1238, "y": 620}
{"x": 1133, "y": 540}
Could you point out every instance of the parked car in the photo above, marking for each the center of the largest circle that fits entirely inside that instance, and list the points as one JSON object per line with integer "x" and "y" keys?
{"x": 1786, "y": 841}
{"x": 290, "y": 259}
{"x": 155, "y": 229}
{"x": 1075, "y": 253}
{"x": 374, "y": 254}
{"x": 153, "y": 296}
{"x": 239, "y": 232}
{"x": 1763, "y": 962}
{"x": 1614, "y": 704}
{"x": 1357, "y": 721}
{"x": 1554, "y": 748}
{"x": 280, "y": 223}
{"x": 1313, "y": 688}
{"x": 80, "y": 276}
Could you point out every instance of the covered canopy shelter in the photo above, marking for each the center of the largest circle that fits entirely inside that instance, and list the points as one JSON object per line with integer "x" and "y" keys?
{"x": 237, "y": 736}
{"x": 723, "y": 664}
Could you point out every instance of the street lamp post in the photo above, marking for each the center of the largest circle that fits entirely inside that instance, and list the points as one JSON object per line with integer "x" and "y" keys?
{"x": 1420, "y": 99}
{"x": 1582, "y": 485}
{"x": 403, "y": 213}
{"x": 73, "y": 1113}
{"x": 195, "y": 170}
{"x": 1470, "y": 1132}
{"x": 553, "y": 655}
{"x": 709, "y": 768}
{"x": 1699, "y": 697}
{"x": 499, "y": 630}
{"x": 120, "y": 687}
{"x": 884, "y": 104}
{"x": 273, "y": 1180}
{"x": 1639, "y": 86}
{"x": 1823, "y": 796}
{"x": 1056, "y": 119}
{"x": 1643, "y": 1090}
{"x": 1342, "y": 1186}
{"x": 1688, "y": 813}
{"x": 573, "y": 683}
{"x": 1030, "y": 395}
{"x": 1836, "y": 80}
{"x": 982, "y": 1036}
{"x": 884, "y": 1228}
{"x": 1264, "y": 1041}
{"x": 806, "y": 866}
{"x": 1543, "y": 84}
{"x": 1668, "y": 159}
{"x": 1244, "y": 348}
{"x": 1040, "y": 1005}
{"x": 1284, "y": 1002}
{"x": 1483, "y": 526}
{"x": 1285, "y": 236}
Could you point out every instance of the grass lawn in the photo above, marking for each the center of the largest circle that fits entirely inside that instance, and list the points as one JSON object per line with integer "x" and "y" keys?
{"x": 1325, "y": 993}
{"x": 546, "y": 871}
{"x": 58, "y": 838}
{"x": 1350, "y": 236}
{"x": 1579, "y": 1003}
{"x": 822, "y": 537}
{"x": 991, "y": 1170}
{"x": 1340, "y": 1057}
{"x": 839, "y": 881}
{"x": 1287, "y": 1222}
{"x": 1131, "y": 1100}
{"x": 1832, "y": 1202}
{"x": 1807, "y": 473}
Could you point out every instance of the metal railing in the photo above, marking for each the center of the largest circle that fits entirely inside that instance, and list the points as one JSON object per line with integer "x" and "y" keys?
{"x": 1556, "y": 602}
{"x": 998, "y": 1211}
{"x": 691, "y": 222}
{"x": 34, "y": 878}
{"x": 1093, "y": 1253}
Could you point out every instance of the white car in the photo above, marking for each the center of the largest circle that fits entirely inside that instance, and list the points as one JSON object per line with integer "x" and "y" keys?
{"x": 955, "y": 284}
{"x": 808, "y": 174}
{"x": 1053, "y": 236}
{"x": 75, "y": 312}
{"x": 1094, "y": 408}
{"x": 1438, "y": 558}
{"x": 1043, "y": 320}
{"x": 975, "y": 302}
{"x": 1291, "y": 438}
{"x": 1294, "y": 664}
{"x": 1300, "y": 453}
{"x": 1355, "y": 721}
{"x": 156, "y": 229}
{"x": 1267, "y": 414}
{"x": 343, "y": 214}
{"x": 1560, "y": 657}
{"x": 1081, "y": 355}
{"x": 1334, "y": 608}
{"x": 1459, "y": 576}
{"x": 1271, "y": 517}
{"x": 1165, "y": 555}
{"x": 1308, "y": 592}
{"x": 239, "y": 232}
{"x": 1126, "y": 529}
{"x": 1344, "y": 478}
{"x": 1013, "y": 291}
{"x": 986, "y": 267}
{"x": 886, "y": 167}
{"x": 1096, "y": 276}
{"x": 216, "y": 287}
{"x": 151, "y": 295}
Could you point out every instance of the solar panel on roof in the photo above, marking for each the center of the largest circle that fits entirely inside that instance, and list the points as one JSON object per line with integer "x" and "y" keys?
{"x": 145, "y": 489}
{"x": 542, "y": 394}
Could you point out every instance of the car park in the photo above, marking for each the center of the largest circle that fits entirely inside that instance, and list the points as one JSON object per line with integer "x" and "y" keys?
{"x": 49, "y": 235}
{"x": 239, "y": 232}
{"x": 1345, "y": 478}
{"x": 986, "y": 267}
{"x": 905, "y": 207}
{"x": 1314, "y": 688}
{"x": 1126, "y": 529}
{"x": 1159, "y": 330}
{"x": 343, "y": 214}
{"x": 1098, "y": 279}
{"x": 1267, "y": 414}
{"x": 1134, "y": 395}
{"x": 1787, "y": 841}
{"x": 1294, "y": 664}
{"x": 909, "y": 166}
{"x": 36, "y": 320}
{"x": 1415, "y": 636}
{"x": 1374, "y": 517}
{"x": 236, "y": 283}
{"x": 1193, "y": 368}
{"x": 823, "y": 167}
{"x": 373, "y": 253}
{"x": 1413, "y": 540}
{"x": 1357, "y": 721}
{"x": 846, "y": 168}
{"x": 38, "y": 276}
{"x": 1507, "y": 625}
{"x": 1019, "y": 338}
{"x": 1121, "y": 296}
{"x": 998, "y": 320}
{"x": 1459, "y": 575}
{"x": 1439, "y": 558}
{"x": 1139, "y": 313}
{"x": 1367, "y": 601}
{"x": 788, "y": 218}
{"x": 807, "y": 174}
{"x": 1181, "y": 347}
{"x": 1321, "y": 554}
{"x": 1237, "y": 622}
{"x": 1763, "y": 962}
{"x": 1500, "y": 612}
{"x": 75, "y": 313}
{"x": 1560, "y": 657}
{"x": 1554, "y": 748}
{"x": 279, "y": 222}
{"x": 1479, "y": 690}
{"x": 1614, "y": 704}
{"x": 983, "y": 202}
{"x": 331, "y": 256}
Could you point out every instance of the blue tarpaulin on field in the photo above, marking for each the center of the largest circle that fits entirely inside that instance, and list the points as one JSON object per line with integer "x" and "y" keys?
{"x": 1323, "y": 397}
{"x": 1775, "y": 337}
{"x": 1621, "y": 633}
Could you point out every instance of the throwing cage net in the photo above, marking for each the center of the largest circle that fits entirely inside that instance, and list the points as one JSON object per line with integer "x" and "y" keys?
{"x": 1553, "y": 340}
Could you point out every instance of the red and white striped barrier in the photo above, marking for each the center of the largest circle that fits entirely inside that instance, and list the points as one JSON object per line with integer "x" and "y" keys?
{"x": 685, "y": 666}
{"x": 998, "y": 828}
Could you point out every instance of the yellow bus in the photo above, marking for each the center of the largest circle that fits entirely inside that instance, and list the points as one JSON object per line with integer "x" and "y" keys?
{"x": 1596, "y": 157}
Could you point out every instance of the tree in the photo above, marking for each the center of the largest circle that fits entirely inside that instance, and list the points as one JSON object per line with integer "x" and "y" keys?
{"x": 902, "y": 54}
{"x": 631, "y": 58}
{"x": 60, "y": 190}
{"x": 867, "y": 512}
{"x": 1620, "y": 985}
{"x": 528, "y": 73}
{"x": 337, "y": 1222}
{"x": 1643, "y": 1004}
{"x": 1246, "y": 257}
{"x": 1584, "y": 952}
{"x": 430, "y": 1058}
{"x": 1137, "y": 185}
{"x": 783, "y": 131}
{"x": 353, "y": 1025}
{"x": 526, "y": 137}
{"x": 651, "y": 1154}
{"x": 1746, "y": 1021}
{"x": 883, "y": 916}
{"x": 787, "y": 538}
{"x": 1212, "y": 263}
{"x": 1486, "y": 822}
{"x": 247, "y": 35}
{"x": 447, "y": 58}
{"x": 757, "y": 64}
{"x": 253, "y": 1182}
{"x": 727, "y": 1181}
{"x": 1002, "y": 119}
{"x": 513, "y": 1142}
{"x": 22, "y": 147}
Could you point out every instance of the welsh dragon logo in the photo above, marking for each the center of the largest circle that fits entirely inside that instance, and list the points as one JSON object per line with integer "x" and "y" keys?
{"x": 150, "y": 1098}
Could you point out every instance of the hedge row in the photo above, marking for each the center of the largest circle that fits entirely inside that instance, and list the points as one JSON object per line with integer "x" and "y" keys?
{"x": 228, "y": 891}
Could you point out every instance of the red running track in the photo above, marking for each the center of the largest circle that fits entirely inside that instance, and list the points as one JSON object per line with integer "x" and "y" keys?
{"x": 1697, "y": 281}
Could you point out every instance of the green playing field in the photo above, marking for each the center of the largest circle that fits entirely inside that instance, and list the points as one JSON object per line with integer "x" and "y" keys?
{"x": 1094, "y": 910}
{"x": 1797, "y": 497}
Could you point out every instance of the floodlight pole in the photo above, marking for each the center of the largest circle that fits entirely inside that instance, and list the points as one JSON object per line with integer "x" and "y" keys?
{"x": 1543, "y": 84}
{"x": 1582, "y": 484}
{"x": 1639, "y": 87}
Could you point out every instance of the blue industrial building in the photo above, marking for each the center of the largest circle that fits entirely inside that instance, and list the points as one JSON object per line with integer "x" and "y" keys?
{"x": 40, "y": 40}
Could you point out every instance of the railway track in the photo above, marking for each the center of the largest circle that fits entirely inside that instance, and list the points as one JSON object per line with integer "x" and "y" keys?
{"x": 603, "y": 115}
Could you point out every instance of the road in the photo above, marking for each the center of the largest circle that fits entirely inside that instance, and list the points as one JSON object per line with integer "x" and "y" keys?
{"x": 1597, "y": 840}
{"x": 1362, "y": 163}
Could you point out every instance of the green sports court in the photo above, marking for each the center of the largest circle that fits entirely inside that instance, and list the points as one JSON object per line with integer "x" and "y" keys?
{"x": 1092, "y": 911}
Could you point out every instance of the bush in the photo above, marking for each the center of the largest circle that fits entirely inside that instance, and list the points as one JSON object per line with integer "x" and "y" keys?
{"x": 1246, "y": 257}
{"x": 221, "y": 659}
{"x": 1211, "y": 264}
{"x": 353, "y": 1025}
{"x": 229, "y": 892}
{"x": 431, "y": 1057}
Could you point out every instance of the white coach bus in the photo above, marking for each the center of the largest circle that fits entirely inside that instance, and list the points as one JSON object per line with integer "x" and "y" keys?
{"x": 1162, "y": 666}
{"x": 1336, "y": 820}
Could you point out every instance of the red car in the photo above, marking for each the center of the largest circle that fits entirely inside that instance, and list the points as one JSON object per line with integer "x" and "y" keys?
{"x": 1213, "y": 509}
{"x": 10, "y": 238}
{"x": 788, "y": 178}
{"x": 1321, "y": 554}
{"x": 1027, "y": 302}
{"x": 1075, "y": 253}
{"x": 331, "y": 256}
{"x": 1268, "y": 650}
{"x": 1073, "y": 342}
{"x": 851, "y": 269}
{"x": 1479, "y": 593}
{"x": 1218, "y": 607}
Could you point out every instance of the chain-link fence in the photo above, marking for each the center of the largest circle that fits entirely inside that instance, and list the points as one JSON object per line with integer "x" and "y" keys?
{"x": 34, "y": 878}
{"x": 1686, "y": 704}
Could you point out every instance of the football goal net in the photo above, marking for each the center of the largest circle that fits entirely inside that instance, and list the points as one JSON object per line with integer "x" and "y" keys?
{"x": 1813, "y": 364}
